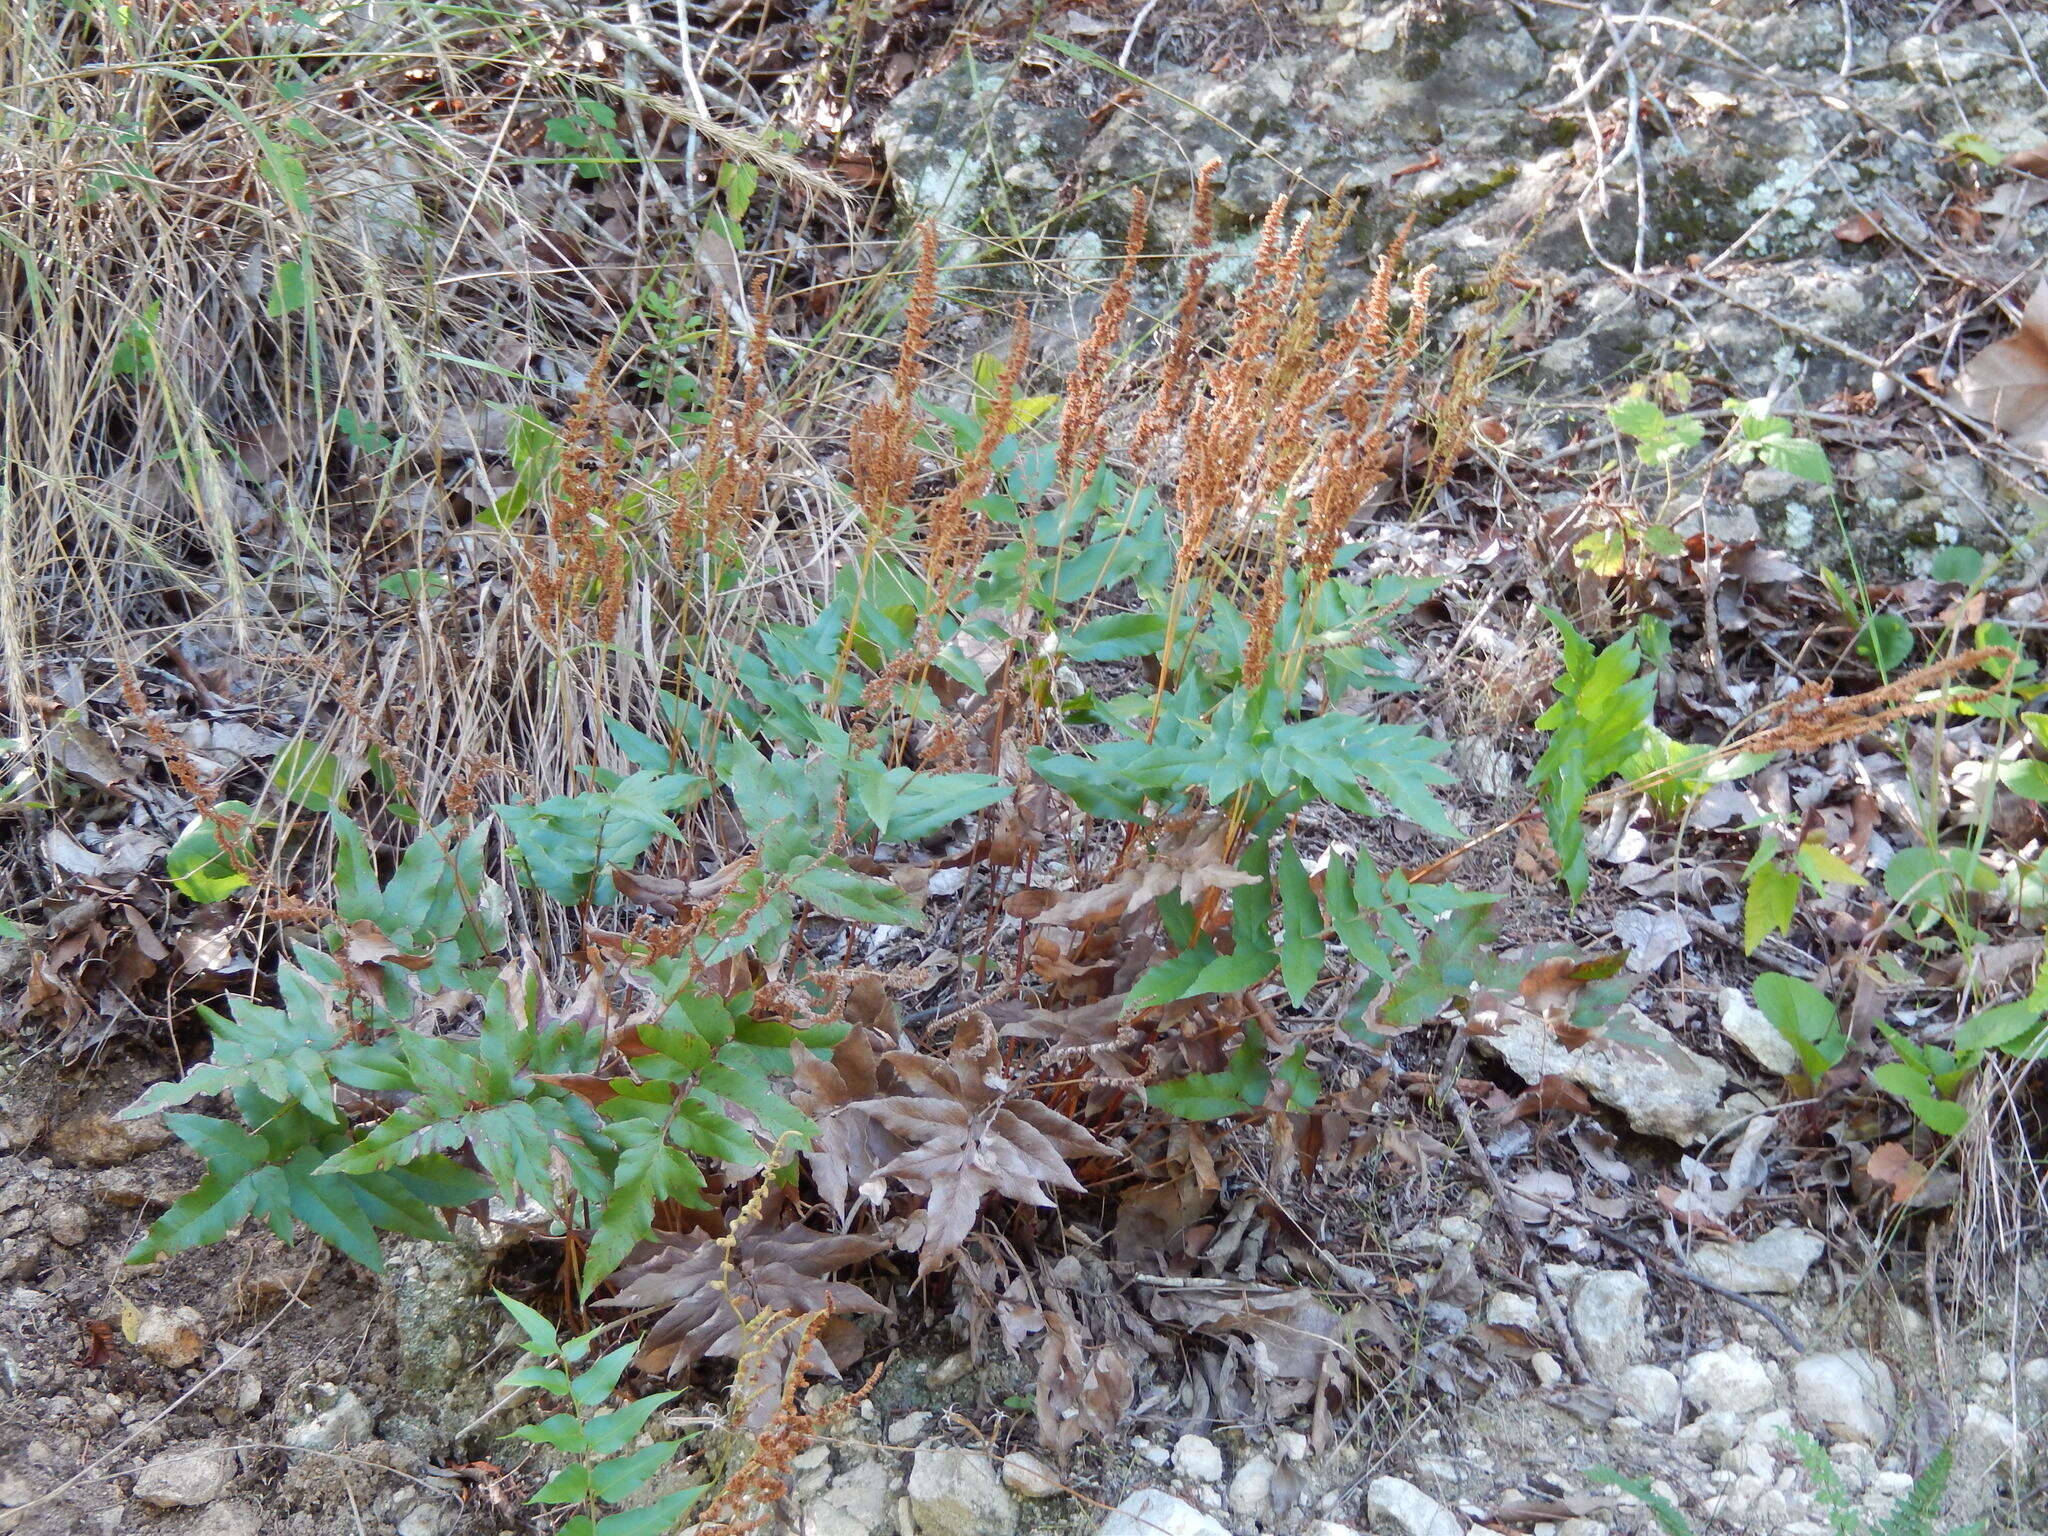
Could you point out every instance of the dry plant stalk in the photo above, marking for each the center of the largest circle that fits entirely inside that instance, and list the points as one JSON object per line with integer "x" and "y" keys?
{"x": 585, "y": 584}
{"x": 1175, "y": 374}
{"x": 1809, "y": 719}
{"x": 746, "y": 1500}
{"x": 881, "y": 451}
{"x": 1086, "y": 398}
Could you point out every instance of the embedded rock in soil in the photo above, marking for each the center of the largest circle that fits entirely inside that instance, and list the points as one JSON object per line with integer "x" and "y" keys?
{"x": 1771, "y": 1265}
{"x": 1663, "y": 1089}
{"x": 1744, "y": 1023}
{"x": 345, "y": 1422}
{"x": 101, "y": 1141}
{"x": 1251, "y": 1489}
{"x": 1155, "y": 1512}
{"x": 186, "y": 1476}
{"x": 959, "y": 1493}
{"x": 1397, "y": 1507}
{"x": 171, "y": 1336}
{"x": 968, "y": 154}
{"x": 1731, "y": 1380}
{"x": 1030, "y": 1478}
{"x": 860, "y": 1501}
{"x": 1196, "y": 1458}
{"x": 232, "y": 1517}
{"x": 1986, "y": 1444}
{"x": 1649, "y": 1393}
{"x": 446, "y": 1321}
{"x": 1848, "y": 1395}
{"x": 1609, "y": 1312}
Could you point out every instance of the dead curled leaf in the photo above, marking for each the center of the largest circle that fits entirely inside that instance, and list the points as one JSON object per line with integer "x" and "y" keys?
{"x": 2006, "y": 384}
{"x": 716, "y": 1292}
{"x": 1192, "y": 865}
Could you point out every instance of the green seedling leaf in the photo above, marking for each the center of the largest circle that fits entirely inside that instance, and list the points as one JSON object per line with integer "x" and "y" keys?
{"x": 1885, "y": 641}
{"x": 1805, "y": 1016}
{"x": 311, "y": 777}
{"x": 1769, "y": 905}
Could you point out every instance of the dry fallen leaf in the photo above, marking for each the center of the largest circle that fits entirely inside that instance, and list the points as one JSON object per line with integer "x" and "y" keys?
{"x": 716, "y": 1290}
{"x": 2006, "y": 384}
{"x": 1857, "y": 228}
{"x": 971, "y": 1132}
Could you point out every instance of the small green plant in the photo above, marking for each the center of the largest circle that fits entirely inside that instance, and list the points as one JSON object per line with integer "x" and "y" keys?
{"x": 604, "y": 1473}
{"x": 1600, "y": 721}
{"x": 589, "y": 132}
{"x": 1913, "y": 1515}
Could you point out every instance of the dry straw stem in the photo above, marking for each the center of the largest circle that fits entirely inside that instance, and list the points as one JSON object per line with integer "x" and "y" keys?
{"x": 214, "y": 292}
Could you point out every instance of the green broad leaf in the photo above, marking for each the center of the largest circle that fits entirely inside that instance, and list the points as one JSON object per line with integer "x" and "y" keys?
{"x": 1301, "y": 925}
{"x": 1805, "y": 1016}
{"x": 1118, "y": 637}
{"x": 650, "y": 1168}
{"x": 1598, "y": 723}
{"x": 656, "y": 1519}
{"x": 1636, "y": 416}
{"x": 601, "y": 1376}
{"x": 1170, "y": 980}
{"x": 1823, "y": 866}
{"x": 1238, "y": 1089}
{"x": 1797, "y": 456}
{"x": 310, "y": 776}
{"x": 1245, "y": 966}
{"x": 1448, "y": 966}
{"x": 1603, "y": 552}
{"x": 561, "y": 1430}
{"x": 1094, "y": 785}
{"x": 1945, "y": 1117}
{"x": 542, "y": 1378}
{"x": 542, "y": 1338}
{"x": 199, "y": 866}
{"x": 2027, "y": 778}
{"x": 1998, "y": 1027}
{"x": 1301, "y": 1081}
{"x": 617, "y": 1480}
{"x": 1769, "y": 904}
{"x": 571, "y": 1485}
{"x": 906, "y": 805}
{"x": 1958, "y": 563}
{"x": 609, "y": 1433}
{"x": 1885, "y": 641}
{"x": 838, "y": 891}
{"x": 291, "y": 292}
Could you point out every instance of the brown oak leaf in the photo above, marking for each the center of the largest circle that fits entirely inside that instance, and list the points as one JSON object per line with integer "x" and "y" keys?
{"x": 970, "y": 1133}
{"x": 851, "y": 1145}
{"x": 717, "y": 1291}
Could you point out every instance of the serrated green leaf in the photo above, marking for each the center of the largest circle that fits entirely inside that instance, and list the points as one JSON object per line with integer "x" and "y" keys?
{"x": 838, "y": 891}
{"x": 1238, "y": 1089}
{"x": 1769, "y": 905}
{"x": 1301, "y": 925}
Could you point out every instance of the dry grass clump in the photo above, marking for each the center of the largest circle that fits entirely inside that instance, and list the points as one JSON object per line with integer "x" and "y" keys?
{"x": 287, "y": 312}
